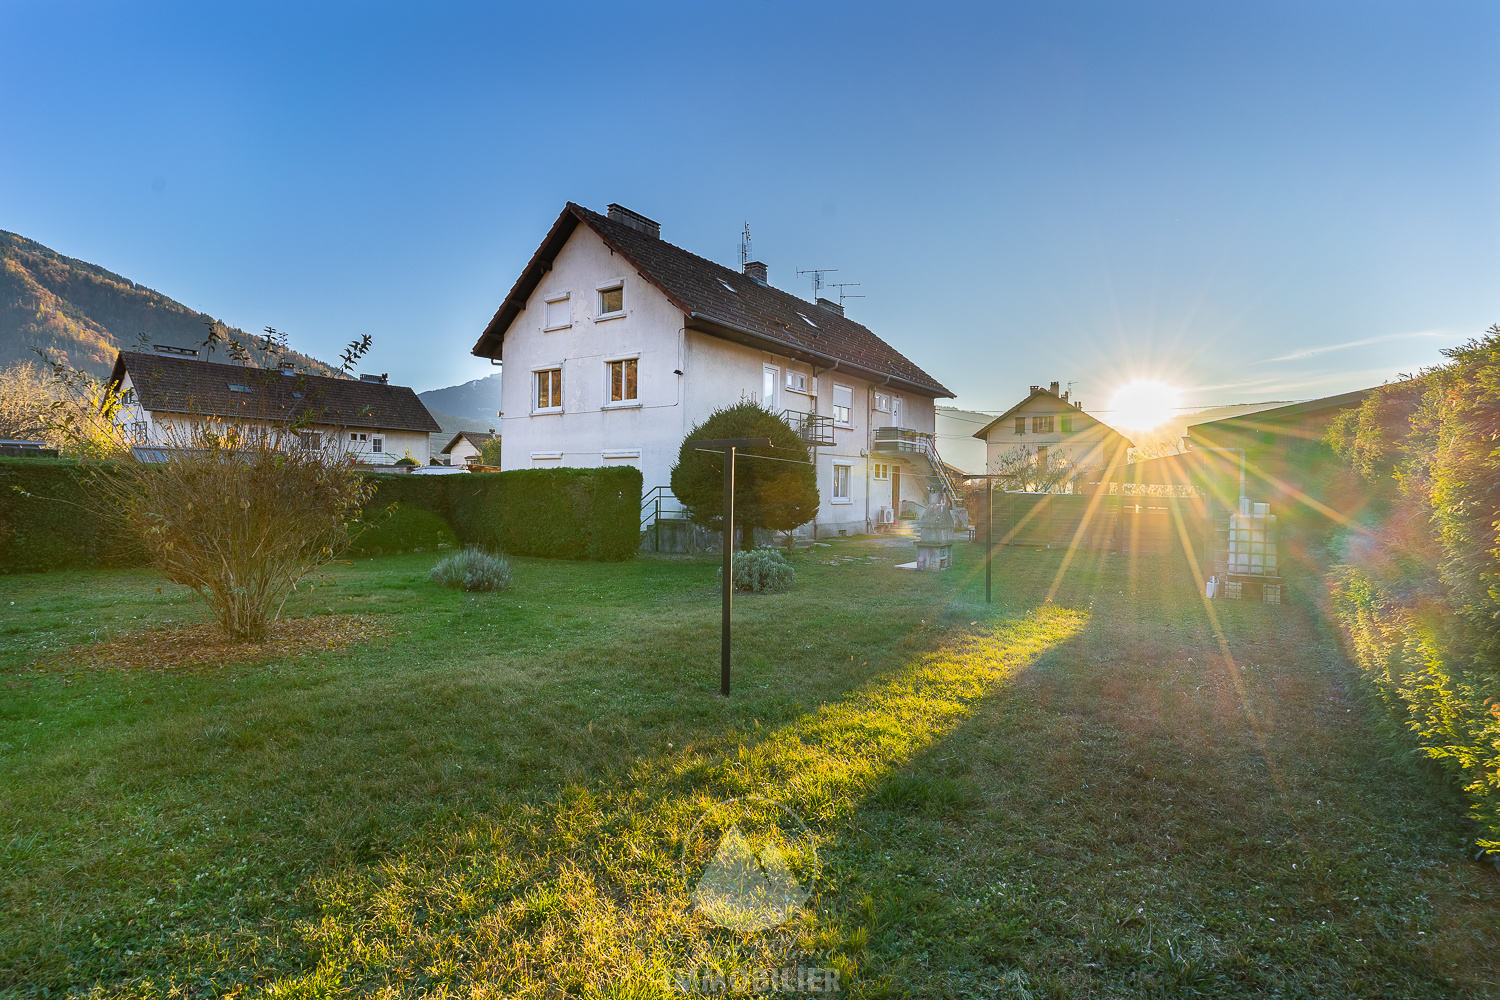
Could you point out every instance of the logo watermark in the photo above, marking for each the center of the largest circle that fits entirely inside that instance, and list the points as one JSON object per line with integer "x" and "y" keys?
{"x": 759, "y": 863}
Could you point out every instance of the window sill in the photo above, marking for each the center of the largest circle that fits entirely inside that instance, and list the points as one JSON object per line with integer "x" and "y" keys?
{"x": 609, "y": 316}
{"x": 629, "y": 404}
{"x": 841, "y": 500}
{"x": 563, "y": 326}
{"x": 547, "y": 412}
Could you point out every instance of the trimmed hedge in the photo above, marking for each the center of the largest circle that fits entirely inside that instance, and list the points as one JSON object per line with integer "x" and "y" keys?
{"x": 402, "y": 529}
{"x": 44, "y": 525}
{"x": 590, "y": 514}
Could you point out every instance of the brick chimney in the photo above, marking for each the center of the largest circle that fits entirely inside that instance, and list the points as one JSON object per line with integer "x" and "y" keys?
{"x": 831, "y": 306}
{"x": 756, "y": 271}
{"x": 635, "y": 220}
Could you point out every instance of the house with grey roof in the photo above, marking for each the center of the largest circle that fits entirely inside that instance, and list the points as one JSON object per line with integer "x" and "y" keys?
{"x": 367, "y": 419}
{"x": 615, "y": 343}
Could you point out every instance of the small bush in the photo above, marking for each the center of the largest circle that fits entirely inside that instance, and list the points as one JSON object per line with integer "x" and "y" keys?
{"x": 472, "y": 569}
{"x": 761, "y": 571}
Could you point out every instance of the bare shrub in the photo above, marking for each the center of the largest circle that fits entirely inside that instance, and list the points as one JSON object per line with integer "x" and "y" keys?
{"x": 59, "y": 405}
{"x": 241, "y": 514}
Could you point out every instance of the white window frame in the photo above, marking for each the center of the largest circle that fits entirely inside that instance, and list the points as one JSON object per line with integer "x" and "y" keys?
{"x": 599, "y": 290}
{"x": 554, "y": 366}
{"x": 770, "y": 377}
{"x": 796, "y": 381}
{"x": 882, "y": 471}
{"x": 622, "y": 404}
{"x": 848, "y": 471}
{"x": 882, "y": 402}
{"x": 848, "y": 420}
{"x": 548, "y": 303}
{"x": 377, "y": 444}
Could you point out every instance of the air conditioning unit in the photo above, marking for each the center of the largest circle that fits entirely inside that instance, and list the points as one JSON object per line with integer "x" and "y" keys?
{"x": 886, "y": 516}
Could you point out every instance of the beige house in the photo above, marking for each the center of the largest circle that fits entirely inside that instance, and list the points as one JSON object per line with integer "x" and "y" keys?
{"x": 1047, "y": 423}
{"x": 465, "y": 447}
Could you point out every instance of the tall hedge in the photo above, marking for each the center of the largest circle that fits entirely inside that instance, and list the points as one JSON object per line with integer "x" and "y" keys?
{"x": 589, "y": 514}
{"x": 1418, "y": 596}
{"x": 592, "y": 514}
{"x": 44, "y": 523}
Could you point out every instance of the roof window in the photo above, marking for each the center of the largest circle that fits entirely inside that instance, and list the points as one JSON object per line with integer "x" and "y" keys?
{"x": 727, "y": 285}
{"x": 808, "y": 321}
{"x": 238, "y": 388}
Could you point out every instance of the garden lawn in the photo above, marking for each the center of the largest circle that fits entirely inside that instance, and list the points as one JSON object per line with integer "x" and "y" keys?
{"x": 1092, "y": 796}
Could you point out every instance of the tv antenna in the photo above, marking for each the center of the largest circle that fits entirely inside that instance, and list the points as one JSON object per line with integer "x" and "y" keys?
{"x": 817, "y": 278}
{"x": 744, "y": 247}
{"x": 841, "y": 285}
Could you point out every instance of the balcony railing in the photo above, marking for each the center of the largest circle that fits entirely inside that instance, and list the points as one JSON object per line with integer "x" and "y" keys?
{"x": 906, "y": 440}
{"x": 812, "y": 428}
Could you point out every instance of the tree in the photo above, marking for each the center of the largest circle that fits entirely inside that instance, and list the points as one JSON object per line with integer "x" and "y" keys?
{"x": 778, "y": 491}
{"x": 489, "y": 452}
{"x": 1021, "y": 470}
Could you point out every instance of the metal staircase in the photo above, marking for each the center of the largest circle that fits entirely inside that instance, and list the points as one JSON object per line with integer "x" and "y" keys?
{"x": 917, "y": 445}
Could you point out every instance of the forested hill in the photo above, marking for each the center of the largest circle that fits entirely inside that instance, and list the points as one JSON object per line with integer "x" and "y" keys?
{"x": 51, "y": 301}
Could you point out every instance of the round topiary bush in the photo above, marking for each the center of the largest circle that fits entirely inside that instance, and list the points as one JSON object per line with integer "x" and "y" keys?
{"x": 400, "y": 529}
{"x": 472, "y": 569}
{"x": 761, "y": 571}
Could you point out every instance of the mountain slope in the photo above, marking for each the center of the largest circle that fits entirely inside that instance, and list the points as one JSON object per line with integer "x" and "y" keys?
{"x": 477, "y": 400}
{"x": 57, "y": 303}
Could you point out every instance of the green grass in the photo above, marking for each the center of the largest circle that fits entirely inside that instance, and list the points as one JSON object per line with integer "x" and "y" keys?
{"x": 1076, "y": 798}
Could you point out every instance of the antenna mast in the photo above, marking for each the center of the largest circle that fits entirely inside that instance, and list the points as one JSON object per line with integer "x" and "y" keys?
{"x": 841, "y": 285}
{"x": 744, "y": 247}
{"x": 817, "y": 278}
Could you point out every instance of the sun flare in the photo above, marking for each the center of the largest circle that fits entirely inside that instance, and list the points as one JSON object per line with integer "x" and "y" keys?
{"x": 1143, "y": 405}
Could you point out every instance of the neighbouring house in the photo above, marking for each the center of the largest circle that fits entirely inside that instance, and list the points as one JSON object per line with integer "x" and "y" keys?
{"x": 1048, "y": 423}
{"x": 616, "y": 343}
{"x": 376, "y": 423}
{"x": 465, "y": 447}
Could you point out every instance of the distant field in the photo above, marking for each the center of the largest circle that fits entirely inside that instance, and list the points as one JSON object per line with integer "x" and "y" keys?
{"x": 1076, "y": 798}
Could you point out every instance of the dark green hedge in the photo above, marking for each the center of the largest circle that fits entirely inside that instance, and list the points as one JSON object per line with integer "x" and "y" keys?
{"x": 44, "y": 524}
{"x": 591, "y": 514}
{"x": 399, "y": 528}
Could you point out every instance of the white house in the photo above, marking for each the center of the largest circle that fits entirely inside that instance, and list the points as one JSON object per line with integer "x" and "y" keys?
{"x": 366, "y": 418}
{"x": 465, "y": 447}
{"x": 615, "y": 344}
{"x": 1048, "y": 422}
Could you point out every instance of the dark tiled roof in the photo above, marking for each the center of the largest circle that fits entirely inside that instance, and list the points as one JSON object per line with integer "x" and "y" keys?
{"x": 745, "y": 311}
{"x": 166, "y": 384}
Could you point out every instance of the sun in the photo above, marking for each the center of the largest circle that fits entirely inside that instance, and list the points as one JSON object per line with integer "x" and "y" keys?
{"x": 1143, "y": 405}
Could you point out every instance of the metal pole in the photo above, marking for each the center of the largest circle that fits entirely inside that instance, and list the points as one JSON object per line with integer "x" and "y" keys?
{"x": 728, "y": 569}
{"x": 989, "y": 535}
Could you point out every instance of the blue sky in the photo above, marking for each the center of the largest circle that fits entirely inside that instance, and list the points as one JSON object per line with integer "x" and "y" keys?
{"x": 1252, "y": 201}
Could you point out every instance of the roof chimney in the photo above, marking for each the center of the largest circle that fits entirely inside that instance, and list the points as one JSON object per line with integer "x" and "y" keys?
{"x": 176, "y": 352}
{"x": 635, "y": 220}
{"x": 1053, "y": 388}
{"x": 382, "y": 379}
{"x": 756, "y": 271}
{"x": 288, "y": 368}
{"x": 831, "y": 306}
{"x": 1035, "y": 389}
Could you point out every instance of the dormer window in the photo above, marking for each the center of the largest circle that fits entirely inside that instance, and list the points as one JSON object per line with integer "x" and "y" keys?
{"x": 612, "y": 300}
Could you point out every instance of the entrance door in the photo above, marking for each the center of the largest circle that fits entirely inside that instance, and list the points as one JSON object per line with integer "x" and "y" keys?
{"x": 896, "y": 489}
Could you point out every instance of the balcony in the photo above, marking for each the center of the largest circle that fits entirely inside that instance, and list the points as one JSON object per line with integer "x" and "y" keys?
{"x": 813, "y": 428}
{"x": 902, "y": 439}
